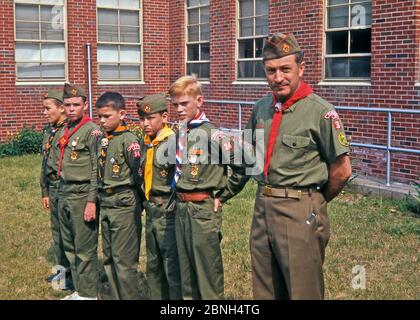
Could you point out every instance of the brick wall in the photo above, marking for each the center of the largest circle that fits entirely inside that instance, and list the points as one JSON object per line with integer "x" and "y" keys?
{"x": 394, "y": 70}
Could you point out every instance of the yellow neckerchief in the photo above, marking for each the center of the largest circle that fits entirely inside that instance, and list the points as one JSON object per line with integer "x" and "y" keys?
{"x": 148, "y": 171}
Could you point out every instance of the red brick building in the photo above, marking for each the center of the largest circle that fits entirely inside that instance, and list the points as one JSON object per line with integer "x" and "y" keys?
{"x": 359, "y": 53}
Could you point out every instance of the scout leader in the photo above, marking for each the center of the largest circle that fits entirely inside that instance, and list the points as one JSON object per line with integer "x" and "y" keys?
{"x": 78, "y": 172}
{"x": 306, "y": 165}
{"x": 200, "y": 176}
{"x": 55, "y": 113}
{"x": 120, "y": 205}
{"x": 162, "y": 257}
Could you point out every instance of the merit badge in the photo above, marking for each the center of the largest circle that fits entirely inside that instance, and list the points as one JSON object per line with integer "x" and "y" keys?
{"x": 194, "y": 170}
{"x": 74, "y": 143}
{"x": 73, "y": 92}
{"x": 342, "y": 139}
{"x": 286, "y": 48}
{"x": 163, "y": 173}
{"x": 115, "y": 168}
{"x": 104, "y": 142}
{"x": 73, "y": 155}
{"x": 112, "y": 160}
{"x": 147, "y": 108}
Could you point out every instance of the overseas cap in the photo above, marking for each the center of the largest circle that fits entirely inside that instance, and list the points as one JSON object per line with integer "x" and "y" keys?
{"x": 279, "y": 45}
{"x": 71, "y": 91}
{"x": 54, "y": 94}
{"x": 152, "y": 104}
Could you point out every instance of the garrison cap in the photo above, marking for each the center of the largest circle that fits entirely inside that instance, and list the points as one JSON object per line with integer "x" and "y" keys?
{"x": 152, "y": 104}
{"x": 71, "y": 90}
{"x": 279, "y": 45}
{"x": 54, "y": 94}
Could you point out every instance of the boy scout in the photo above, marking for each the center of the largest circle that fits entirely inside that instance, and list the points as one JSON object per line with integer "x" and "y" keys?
{"x": 199, "y": 179}
{"x": 162, "y": 258}
{"x": 78, "y": 172}
{"x": 54, "y": 111}
{"x": 119, "y": 163}
{"x": 306, "y": 166}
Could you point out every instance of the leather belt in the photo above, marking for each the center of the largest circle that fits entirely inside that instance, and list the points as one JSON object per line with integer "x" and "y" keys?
{"x": 111, "y": 191}
{"x": 286, "y": 192}
{"x": 193, "y": 196}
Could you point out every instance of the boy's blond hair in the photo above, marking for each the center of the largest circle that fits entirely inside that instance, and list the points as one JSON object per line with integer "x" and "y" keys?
{"x": 186, "y": 85}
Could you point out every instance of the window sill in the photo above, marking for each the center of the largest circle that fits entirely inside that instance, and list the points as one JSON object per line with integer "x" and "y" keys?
{"x": 250, "y": 83}
{"x": 417, "y": 85}
{"x": 120, "y": 82}
{"x": 37, "y": 84}
{"x": 345, "y": 83}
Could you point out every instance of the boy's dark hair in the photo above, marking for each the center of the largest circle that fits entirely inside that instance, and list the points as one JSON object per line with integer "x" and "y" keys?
{"x": 113, "y": 99}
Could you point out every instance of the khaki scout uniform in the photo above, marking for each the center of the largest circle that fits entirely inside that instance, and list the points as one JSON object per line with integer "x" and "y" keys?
{"x": 163, "y": 275}
{"x": 79, "y": 185}
{"x": 290, "y": 227}
{"x": 120, "y": 207}
{"x": 49, "y": 181}
{"x": 198, "y": 227}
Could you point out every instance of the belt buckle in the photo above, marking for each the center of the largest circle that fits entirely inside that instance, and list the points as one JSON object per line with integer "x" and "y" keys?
{"x": 268, "y": 191}
{"x": 109, "y": 190}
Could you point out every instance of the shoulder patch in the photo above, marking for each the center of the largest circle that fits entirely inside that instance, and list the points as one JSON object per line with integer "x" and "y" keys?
{"x": 218, "y": 135}
{"x": 342, "y": 139}
{"x": 331, "y": 114}
{"x": 135, "y": 148}
{"x": 96, "y": 133}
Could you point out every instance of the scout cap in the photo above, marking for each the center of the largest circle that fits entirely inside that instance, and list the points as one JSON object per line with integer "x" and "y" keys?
{"x": 152, "y": 104}
{"x": 71, "y": 91}
{"x": 54, "y": 94}
{"x": 279, "y": 45}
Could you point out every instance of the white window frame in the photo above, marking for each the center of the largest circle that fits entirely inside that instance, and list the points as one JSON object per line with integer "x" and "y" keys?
{"x": 40, "y": 80}
{"x": 238, "y": 38}
{"x": 199, "y": 42}
{"x": 139, "y": 44}
{"x": 343, "y": 80}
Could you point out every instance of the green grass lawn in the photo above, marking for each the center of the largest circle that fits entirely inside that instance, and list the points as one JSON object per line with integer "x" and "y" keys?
{"x": 368, "y": 232}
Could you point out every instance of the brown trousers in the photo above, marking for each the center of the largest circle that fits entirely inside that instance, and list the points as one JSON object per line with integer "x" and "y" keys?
{"x": 288, "y": 246}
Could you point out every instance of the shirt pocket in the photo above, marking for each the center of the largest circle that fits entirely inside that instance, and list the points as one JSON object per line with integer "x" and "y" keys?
{"x": 296, "y": 149}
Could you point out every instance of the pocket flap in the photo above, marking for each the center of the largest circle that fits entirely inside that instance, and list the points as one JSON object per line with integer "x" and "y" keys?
{"x": 296, "y": 141}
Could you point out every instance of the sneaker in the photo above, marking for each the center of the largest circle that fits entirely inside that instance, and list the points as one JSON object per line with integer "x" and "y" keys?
{"x": 71, "y": 296}
{"x": 50, "y": 278}
{"x": 84, "y": 298}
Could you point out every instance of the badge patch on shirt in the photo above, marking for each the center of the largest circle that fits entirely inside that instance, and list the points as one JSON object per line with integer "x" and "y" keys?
{"x": 194, "y": 170}
{"x": 104, "y": 142}
{"x": 331, "y": 114}
{"x": 342, "y": 139}
{"x": 96, "y": 133}
{"x": 163, "y": 173}
{"x": 133, "y": 147}
{"x": 337, "y": 124}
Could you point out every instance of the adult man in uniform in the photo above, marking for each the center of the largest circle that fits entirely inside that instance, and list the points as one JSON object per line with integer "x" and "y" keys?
{"x": 200, "y": 177}
{"x": 162, "y": 257}
{"x": 54, "y": 111}
{"x": 78, "y": 172}
{"x": 306, "y": 165}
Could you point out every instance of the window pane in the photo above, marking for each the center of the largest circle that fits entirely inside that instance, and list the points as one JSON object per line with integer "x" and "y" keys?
{"x": 107, "y": 3}
{"x": 193, "y": 68}
{"x": 332, "y": 2}
{"x": 246, "y": 48}
{"x": 193, "y": 33}
{"x": 259, "y": 70}
{"x": 50, "y": 32}
{"x": 48, "y": 13}
{"x": 338, "y": 17}
{"x": 27, "y": 12}
{"x": 129, "y": 34}
{"x": 245, "y": 69}
{"x": 52, "y": 71}
{"x": 204, "y": 2}
{"x": 54, "y": 2}
{"x": 261, "y": 25}
{"x": 193, "y": 15}
{"x": 361, "y": 14}
{"x": 337, "y": 42}
{"x": 107, "y": 53}
{"x": 205, "y": 51}
{"x": 191, "y": 3}
{"x": 130, "y": 4}
{"x": 130, "y": 72}
{"x": 258, "y": 47}
{"x": 193, "y": 52}
{"x": 360, "y": 41}
{"x": 204, "y": 15}
{"x": 27, "y": 52}
{"x": 204, "y": 70}
{"x": 261, "y": 7}
{"x": 337, "y": 68}
{"x": 28, "y": 70}
{"x": 53, "y": 52}
{"x": 246, "y": 27}
{"x": 108, "y": 33}
{"x": 108, "y": 72}
{"x": 246, "y": 8}
{"x": 360, "y": 67}
{"x": 204, "y": 32}
{"x": 106, "y": 16}
{"x": 27, "y": 30}
{"x": 129, "y": 18}
{"x": 129, "y": 54}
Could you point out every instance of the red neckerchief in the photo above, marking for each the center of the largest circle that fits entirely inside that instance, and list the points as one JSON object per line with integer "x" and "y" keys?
{"x": 303, "y": 91}
{"x": 64, "y": 140}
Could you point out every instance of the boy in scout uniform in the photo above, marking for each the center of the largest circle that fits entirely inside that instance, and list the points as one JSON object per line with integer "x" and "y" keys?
{"x": 162, "y": 257}
{"x": 120, "y": 206}
{"x": 78, "y": 173}
{"x": 306, "y": 165}
{"x": 200, "y": 176}
{"x": 54, "y": 111}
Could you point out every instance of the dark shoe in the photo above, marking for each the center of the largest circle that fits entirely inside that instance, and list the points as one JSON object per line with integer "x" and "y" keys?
{"x": 69, "y": 282}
